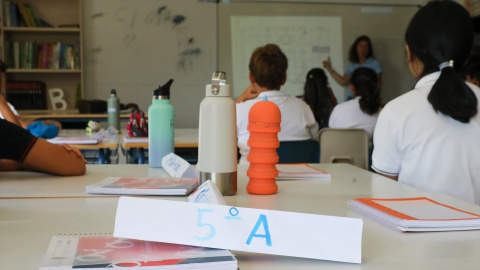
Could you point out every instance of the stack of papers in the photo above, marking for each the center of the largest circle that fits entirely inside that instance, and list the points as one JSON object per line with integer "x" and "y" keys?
{"x": 415, "y": 214}
{"x": 102, "y": 252}
{"x": 300, "y": 171}
{"x": 76, "y": 140}
{"x": 129, "y": 139}
{"x": 143, "y": 186}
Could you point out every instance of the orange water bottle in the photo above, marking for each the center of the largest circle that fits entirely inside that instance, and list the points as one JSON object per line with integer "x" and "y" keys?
{"x": 264, "y": 124}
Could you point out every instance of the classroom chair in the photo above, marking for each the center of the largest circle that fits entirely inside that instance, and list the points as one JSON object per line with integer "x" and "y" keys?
{"x": 305, "y": 151}
{"x": 344, "y": 145}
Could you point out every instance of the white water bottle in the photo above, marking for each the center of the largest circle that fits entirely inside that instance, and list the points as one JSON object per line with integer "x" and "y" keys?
{"x": 217, "y": 139}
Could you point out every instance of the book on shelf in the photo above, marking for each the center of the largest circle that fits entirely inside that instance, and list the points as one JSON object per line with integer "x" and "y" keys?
{"x": 105, "y": 251}
{"x": 27, "y": 95}
{"x": 415, "y": 214}
{"x": 300, "y": 171}
{"x": 76, "y": 140}
{"x": 143, "y": 186}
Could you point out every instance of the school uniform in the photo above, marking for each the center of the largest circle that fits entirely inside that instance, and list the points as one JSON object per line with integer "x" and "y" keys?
{"x": 15, "y": 141}
{"x": 349, "y": 115}
{"x": 298, "y": 122}
{"x": 428, "y": 150}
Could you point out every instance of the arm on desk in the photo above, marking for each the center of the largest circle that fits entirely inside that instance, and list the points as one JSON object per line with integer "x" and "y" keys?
{"x": 50, "y": 158}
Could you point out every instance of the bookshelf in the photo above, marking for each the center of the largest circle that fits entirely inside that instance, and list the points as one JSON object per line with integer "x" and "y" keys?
{"x": 65, "y": 18}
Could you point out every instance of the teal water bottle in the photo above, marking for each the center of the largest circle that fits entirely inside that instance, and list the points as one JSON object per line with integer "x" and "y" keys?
{"x": 113, "y": 105}
{"x": 160, "y": 126}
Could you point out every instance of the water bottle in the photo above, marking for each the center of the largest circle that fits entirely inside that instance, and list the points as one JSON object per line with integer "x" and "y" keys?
{"x": 263, "y": 124}
{"x": 217, "y": 138}
{"x": 160, "y": 126}
{"x": 113, "y": 104}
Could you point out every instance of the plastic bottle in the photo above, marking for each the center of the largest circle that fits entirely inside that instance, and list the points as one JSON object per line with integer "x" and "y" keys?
{"x": 160, "y": 126}
{"x": 264, "y": 124}
{"x": 217, "y": 140}
{"x": 113, "y": 104}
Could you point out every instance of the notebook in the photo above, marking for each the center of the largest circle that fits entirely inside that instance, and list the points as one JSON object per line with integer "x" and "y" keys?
{"x": 76, "y": 140}
{"x": 415, "y": 214}
{"x": 300, "y": 171}
{"x": 143, "y": 186}
{"x": 105, "y": 251}
{"x": 129, "y": 139}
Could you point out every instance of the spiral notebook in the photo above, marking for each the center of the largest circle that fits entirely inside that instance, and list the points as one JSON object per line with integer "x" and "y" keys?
{"x": 105, "y": 251}
{"x": 415, "y": 214}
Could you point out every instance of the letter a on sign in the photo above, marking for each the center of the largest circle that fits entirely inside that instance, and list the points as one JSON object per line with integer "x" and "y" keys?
{"x": 261, "y": 220}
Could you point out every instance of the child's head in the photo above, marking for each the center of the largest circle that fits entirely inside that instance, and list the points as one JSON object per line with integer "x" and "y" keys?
{"x": 440, "y": 36}
{"x": 316, "y": 95}
{"x": 268, "y": 66}
{"x": 364, "y": 83}
{"x": 361, "y": 44}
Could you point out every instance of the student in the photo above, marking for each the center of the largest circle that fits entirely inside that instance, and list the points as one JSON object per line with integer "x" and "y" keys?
{"x": 268, "y": 72}
{"x": 362, "y": 111}
{"x": 319, "y": 96}
{"x": 359, "y": 55}
{"x": 19, "y": 149}
{"x": 429, "y": 137}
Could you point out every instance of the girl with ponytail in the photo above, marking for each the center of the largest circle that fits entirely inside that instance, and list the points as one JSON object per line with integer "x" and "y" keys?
{"x": 319, "y": 96}
{"x": 429, "y": 137}
{"x": 362, "y": 111}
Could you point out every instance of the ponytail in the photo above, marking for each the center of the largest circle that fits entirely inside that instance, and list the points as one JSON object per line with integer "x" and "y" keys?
{"x": 443, "y": 31}
{"x": 451, "y": 96}
{"x": 317, "y": 97}
{"x": 365, "y": 82}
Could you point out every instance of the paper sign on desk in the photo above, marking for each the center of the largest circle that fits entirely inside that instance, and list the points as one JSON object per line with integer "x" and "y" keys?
{"x": 237, "y": 228}
{"x": 177, "y": 167}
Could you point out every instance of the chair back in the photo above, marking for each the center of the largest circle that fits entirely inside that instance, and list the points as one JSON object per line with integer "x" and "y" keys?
{"x": 305, "y": 151}
{"x": 344, "y": 145}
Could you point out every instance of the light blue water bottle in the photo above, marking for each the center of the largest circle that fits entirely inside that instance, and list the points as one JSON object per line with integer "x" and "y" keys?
{"x": 160, "y": 126}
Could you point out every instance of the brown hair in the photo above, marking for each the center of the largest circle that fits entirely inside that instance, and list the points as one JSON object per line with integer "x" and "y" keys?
{"x": 268, "y": 66}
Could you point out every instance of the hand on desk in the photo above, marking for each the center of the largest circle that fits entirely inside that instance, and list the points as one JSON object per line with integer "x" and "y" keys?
{"x": 77, "y": 152}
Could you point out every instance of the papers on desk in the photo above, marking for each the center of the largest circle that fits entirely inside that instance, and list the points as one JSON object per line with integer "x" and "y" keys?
{"x": 76, "y": 140}
{"x": 415, "y": 214}
{"x": 129, "y": 139}
{"x": 143, "y": 186}
{"x": 102, "y": 252}
{"x": 300, "y": 171}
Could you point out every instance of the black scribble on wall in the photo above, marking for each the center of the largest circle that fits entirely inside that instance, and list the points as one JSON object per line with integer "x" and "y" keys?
{"x": 162, "y": 14}
{"x": 187, "y": 59}
{"x": 178, "y": 19}
{"x": 97, "y": 15}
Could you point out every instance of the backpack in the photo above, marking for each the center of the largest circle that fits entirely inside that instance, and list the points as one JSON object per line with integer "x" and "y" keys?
{"x": 137, "y": 125}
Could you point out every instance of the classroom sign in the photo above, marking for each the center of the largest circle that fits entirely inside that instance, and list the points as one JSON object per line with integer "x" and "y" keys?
{"x": 242, "y": 229}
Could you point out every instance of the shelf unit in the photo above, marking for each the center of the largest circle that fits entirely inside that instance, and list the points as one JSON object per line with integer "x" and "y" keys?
{"x": 58, "y": 13}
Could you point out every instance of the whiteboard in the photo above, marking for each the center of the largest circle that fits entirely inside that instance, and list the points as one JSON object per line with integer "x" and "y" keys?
{"x": 136, "y": 45}
{"x": 306, "y": 41}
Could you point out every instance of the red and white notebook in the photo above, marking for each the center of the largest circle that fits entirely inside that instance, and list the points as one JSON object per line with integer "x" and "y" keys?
{"x": 300, "y": 171}
{"x": 415, "y": 214}
{"x": 143, "y": 186}
{"x": 104, "y": 251}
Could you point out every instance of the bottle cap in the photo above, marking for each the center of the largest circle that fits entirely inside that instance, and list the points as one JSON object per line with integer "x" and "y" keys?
{"x": 218, "y": 88}
{"x": 113, "y": 92}
{"x": 163, "y": 91}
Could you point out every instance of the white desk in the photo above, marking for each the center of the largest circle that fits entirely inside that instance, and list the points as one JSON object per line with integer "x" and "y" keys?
{"x": 26, "y": 225}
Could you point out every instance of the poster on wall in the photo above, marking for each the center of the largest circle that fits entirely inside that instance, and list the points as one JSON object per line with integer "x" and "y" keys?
{"x": 306, "y": 41}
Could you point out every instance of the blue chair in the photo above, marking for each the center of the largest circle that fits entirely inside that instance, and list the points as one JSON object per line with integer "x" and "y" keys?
{"x": 306, "y": 151}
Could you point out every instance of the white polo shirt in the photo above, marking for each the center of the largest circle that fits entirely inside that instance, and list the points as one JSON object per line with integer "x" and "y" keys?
{"x": 428, "y": 150}
{"x": 349, "y": 115}
{"x": 298, "y": 122}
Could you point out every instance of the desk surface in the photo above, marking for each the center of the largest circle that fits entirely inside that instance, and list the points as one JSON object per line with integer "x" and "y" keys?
{"x": 183, "y": 137}
{"x": 111, "y": 142}
{"x": 26, "y": 225}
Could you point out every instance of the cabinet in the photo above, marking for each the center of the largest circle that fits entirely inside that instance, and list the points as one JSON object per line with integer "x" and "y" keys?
{"x": 65, "y": 18}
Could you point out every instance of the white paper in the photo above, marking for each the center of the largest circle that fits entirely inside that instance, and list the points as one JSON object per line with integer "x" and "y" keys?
{"x": 243, "y": 229}
{"x": 178, "y": 167}
{"x": 207, "y": 193}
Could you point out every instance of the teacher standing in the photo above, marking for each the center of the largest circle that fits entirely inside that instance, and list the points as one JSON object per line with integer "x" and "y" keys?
{"x": 360, "y": 55}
